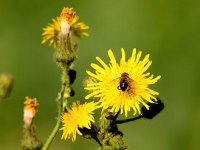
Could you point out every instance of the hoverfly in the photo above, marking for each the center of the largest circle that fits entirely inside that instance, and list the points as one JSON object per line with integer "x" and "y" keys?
{"x": 124, "y": 83}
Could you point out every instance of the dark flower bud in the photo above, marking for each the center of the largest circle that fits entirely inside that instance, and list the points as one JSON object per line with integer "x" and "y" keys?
{"x": 72, "y": 92}
{"x": 72, "y": 76}
{"x": 154, "y": 109}
{"x": 90, "y": 133}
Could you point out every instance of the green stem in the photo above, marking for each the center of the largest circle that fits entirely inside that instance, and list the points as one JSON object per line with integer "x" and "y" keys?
{"x": 54, "y": 131}
{"x": 60, "y": 110}
{"x": 65, "y": 61}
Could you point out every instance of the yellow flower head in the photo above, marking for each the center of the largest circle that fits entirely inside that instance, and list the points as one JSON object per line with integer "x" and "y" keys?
{"x": 68, "y": 16}
{"x": 123, "y": 86}
{"x": 78, "y": 116}
{"x": 51, "y": 32}
{"x": 30, "y": 109}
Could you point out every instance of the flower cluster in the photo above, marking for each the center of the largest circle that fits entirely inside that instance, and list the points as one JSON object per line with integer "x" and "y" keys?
{"x": 117, "y": 87}
{"x": 65, "y": 23}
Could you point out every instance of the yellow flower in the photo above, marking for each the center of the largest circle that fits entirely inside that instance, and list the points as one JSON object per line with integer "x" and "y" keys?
{"x": 52, "y": 30}
{"x": 78, "y": 116}
{"x": 123, "y": 86}
{"x": 78, "y": 29}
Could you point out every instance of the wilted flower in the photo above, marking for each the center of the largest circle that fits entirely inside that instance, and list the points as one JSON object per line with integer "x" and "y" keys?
{"x": 30, "y": 109}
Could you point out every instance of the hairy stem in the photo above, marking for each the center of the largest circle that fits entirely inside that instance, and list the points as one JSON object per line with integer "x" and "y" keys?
{"x": 65, "y": 56}
{"x": 60, "y": 100}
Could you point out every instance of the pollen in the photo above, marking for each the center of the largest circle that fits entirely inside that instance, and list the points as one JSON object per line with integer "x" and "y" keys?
{"x": 68, "y": 14}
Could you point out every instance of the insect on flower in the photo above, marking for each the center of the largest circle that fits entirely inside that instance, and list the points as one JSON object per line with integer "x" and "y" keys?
{"x": 125, "y": 82}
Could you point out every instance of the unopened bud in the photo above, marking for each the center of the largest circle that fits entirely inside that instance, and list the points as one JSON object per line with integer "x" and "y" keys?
{"x": 6, "y": 84}
{"x": 154, "y": 109}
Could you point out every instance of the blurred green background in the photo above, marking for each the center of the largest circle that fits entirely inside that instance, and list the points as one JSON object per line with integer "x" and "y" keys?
{"x": 169, "y": 30}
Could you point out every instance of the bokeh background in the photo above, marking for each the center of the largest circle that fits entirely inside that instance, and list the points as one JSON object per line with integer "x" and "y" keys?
{"x": 169, "y": 30}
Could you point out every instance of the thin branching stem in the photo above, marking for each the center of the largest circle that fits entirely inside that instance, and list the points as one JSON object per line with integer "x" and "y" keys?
{"x": 128, "y": 120}
{"x": 97, "y": 140}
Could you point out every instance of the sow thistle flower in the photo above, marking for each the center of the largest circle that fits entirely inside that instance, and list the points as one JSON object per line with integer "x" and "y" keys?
{"x": 124, "y": 86}
{"x": 66, "y": 22}
{"x": 51, "y": 32}
{"x": 77, "y": 117}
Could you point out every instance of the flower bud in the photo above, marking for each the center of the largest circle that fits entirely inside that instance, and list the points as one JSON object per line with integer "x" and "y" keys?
{"x": 6, "y": 84}
{"x": 154, "y": 109}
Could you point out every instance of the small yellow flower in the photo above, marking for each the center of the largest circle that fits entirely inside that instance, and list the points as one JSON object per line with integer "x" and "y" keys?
{"x": 123, "y": 86}
{"x": 78, "y": 29}
{"x": 51, "y": 32}
{"x": 67, "y": 22}
{"x": 78, "y": 116}
{"x": 30, "y": 108}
